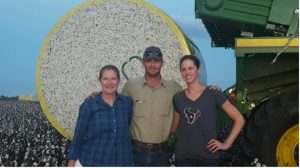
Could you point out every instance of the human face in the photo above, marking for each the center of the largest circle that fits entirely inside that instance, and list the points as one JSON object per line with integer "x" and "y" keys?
{"x": 109, "y": 81}
{"x": 153, "y": 67}
{"x": 189, "y": 71}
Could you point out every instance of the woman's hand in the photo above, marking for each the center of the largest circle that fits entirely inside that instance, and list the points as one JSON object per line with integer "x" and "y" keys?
{"x": 71, "y": 163}
{"x": 215, "y": 145}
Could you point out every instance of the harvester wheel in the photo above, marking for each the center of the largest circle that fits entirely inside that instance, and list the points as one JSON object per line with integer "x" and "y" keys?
{"x": 272, "y": 133}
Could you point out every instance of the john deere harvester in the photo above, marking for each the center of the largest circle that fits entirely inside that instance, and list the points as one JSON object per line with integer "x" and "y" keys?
{"x": 264, "y": 35}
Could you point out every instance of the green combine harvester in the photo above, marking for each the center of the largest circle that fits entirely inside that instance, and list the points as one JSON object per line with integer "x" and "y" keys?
{"x": 264, "y": 35}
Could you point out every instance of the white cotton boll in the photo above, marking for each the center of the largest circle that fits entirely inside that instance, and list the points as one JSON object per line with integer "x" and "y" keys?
{"x": 15, "y": 163}
{"x": 34, "y": 164}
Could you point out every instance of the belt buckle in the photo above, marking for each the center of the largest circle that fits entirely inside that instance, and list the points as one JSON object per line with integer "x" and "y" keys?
{"x": 150, "y": 146}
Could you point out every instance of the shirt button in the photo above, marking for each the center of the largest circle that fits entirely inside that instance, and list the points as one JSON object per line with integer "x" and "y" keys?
{"x": 113, "y": 110}
{"x": 114, "y": 130}
{"x": 114, "y": 120}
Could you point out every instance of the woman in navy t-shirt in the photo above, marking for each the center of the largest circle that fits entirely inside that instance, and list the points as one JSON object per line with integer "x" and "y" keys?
{"x": 195, "y": 114}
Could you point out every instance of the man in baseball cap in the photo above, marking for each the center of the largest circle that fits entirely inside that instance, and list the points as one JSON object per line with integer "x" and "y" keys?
{"x": 152, "y": 111}
{"x": 152, "y": 52}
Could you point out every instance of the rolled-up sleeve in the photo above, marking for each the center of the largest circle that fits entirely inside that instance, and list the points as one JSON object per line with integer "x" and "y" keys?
{"x": 80, "y": 130}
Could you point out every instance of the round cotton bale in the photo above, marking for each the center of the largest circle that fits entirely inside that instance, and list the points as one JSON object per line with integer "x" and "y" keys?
{"x": 94, "y": 34}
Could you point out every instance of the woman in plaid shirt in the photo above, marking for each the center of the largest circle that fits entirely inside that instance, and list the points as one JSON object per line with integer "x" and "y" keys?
{"x": 101, "y": 136}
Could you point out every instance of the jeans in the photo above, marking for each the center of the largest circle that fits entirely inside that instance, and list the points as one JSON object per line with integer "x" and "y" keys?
{"x": 144, "y": 157}
{"x": 184, "y": 162}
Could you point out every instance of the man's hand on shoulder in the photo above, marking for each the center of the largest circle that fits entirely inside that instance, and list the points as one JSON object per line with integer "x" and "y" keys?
{"x": 214, "y": 87}
{"x": 92, "y": 95}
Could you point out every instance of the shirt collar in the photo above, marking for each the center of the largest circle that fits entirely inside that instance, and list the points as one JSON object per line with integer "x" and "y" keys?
{"x": 162, "y": 81}
{"x": 99, "y": 97}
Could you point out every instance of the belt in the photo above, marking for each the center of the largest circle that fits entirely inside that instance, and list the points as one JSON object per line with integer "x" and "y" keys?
{"x": 150, "y": 146}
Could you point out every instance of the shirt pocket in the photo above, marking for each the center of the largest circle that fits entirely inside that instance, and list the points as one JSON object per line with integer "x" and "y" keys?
{"x": 159, "y": 107}
{"x": 164, "y": 107}
{"x": 140, "y": 108}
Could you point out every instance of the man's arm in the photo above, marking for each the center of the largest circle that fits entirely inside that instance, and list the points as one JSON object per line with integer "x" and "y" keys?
{"x": 125, "y": 90}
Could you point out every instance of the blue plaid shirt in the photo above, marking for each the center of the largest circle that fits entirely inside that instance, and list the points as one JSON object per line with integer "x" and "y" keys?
{"x": 101, "y": 136}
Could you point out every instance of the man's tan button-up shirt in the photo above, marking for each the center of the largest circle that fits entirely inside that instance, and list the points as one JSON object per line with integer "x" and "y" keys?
{"x": 152, "y": 109}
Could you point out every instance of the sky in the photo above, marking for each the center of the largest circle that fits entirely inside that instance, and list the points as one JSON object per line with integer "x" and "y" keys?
{"x": 24, "y": 25}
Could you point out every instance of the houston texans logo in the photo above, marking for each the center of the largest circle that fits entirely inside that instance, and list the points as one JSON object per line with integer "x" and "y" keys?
{"x": 191, "y": 116}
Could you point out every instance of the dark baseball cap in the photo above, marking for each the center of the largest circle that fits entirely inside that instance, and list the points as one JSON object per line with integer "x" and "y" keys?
{"x": 152, "y": 52}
